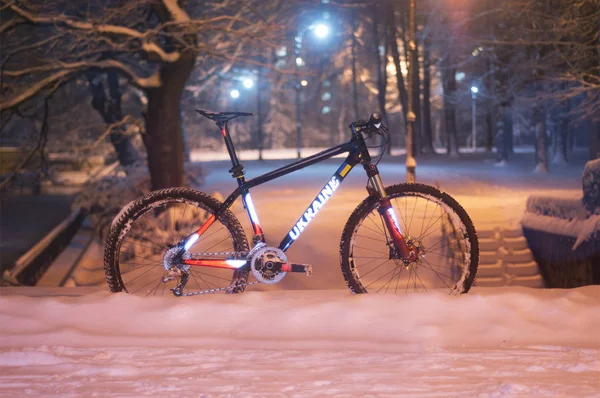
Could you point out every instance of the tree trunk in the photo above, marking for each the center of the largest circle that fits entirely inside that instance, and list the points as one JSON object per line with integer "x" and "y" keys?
{"x": 402, "y": 94}
{"x": 503, "y": 133}
{"x": 560, "y": 155}
{"x": 449, "y": 87}
{"x": 187, "y": 154}
{"x": 501, "y": 155}
{"x": 110, "y": 110}
{"x": 381, "y": 69}
{"x": 559, "y": 147}
{"x": 541, "y": 158}
{"x": 416, "y": 93}
{"x": 490, "y": 82}
{"x": 164, "y": 140}
{"x": 489, "y": 127}
{"x": 354, "y": 85}
{"x": 427, "y": 143}
{"x": 594, "y": 139}
{"x": 259, "y": 112}
{"x": 508, "y": 131}
{"x": 411, "y": 55}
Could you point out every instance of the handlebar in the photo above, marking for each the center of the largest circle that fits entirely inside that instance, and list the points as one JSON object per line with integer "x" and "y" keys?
{"x": 370, "y": 127}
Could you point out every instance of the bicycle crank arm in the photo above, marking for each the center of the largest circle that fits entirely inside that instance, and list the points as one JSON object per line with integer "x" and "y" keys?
{"x": 289, "y": 267}
{"x": 305, "y": 268}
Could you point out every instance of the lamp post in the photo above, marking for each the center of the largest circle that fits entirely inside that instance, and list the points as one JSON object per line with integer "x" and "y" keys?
{"x": 474, "y": 91}
{"x": 321, "y": 31}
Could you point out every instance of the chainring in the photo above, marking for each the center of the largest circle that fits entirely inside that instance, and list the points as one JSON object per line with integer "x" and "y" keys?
{"x": 260, "y": 265}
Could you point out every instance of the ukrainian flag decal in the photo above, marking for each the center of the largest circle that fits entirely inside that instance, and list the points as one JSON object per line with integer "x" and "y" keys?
{"x": 345, "y": 170}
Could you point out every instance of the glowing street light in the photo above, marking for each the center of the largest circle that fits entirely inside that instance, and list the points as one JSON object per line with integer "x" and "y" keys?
{"x": 474, "y": 89}
{"x": 321, "y": 30}
{"x": 248, "y": 83}
{"x": 304, "y": 83}
{"x": 234, "y": 93}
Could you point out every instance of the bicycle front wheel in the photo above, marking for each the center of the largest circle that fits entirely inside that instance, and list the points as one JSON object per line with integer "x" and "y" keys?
{"x": 145, "y": 230}
{"x": 433, "y": 222}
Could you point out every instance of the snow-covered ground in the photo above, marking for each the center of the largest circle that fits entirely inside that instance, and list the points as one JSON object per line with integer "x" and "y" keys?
{"x": 509, "y": 342}
{"x": 492, "y": 342}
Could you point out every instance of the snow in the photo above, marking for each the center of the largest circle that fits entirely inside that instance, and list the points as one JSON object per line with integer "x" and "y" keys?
{"x": 489, "y": 343}
{"x": 289, "y": 340}
{"x": 582, "y": 229}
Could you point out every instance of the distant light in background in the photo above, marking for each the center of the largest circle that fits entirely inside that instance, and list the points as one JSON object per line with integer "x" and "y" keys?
{"x": 248, "y": 83}
{"x": 321, "y": 30}
{"x": 281, "y": 51}
{"x": 304, "y": 83}
{"x": 299, "y": 61}
{"x": 404, "y": 68}
{"x": 474, "y": 89}
{"x": 460, "y": 76}
{"x": 325, "y": 110}
{"x": 234, "y": 93}
{"x": 391, "y": 69}
{"x": 477, "y": 51}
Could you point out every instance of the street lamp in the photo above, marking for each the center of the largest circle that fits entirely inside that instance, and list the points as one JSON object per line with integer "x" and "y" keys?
{"x": 235, "y": 94}
{"x": 321, "y": 31}
{"x": 248, "y": 83}
{"x": 474, "y": 91}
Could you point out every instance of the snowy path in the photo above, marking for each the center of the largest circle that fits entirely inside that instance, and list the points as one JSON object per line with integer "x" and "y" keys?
{"x": 177, "y": 372}
{"x": 490, "y": 343}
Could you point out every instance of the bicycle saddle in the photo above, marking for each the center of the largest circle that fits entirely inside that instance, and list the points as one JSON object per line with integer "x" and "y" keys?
{"x": 221, "y": 117}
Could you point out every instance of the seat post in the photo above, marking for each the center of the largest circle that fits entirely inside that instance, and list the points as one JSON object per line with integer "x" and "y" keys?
{"x": 237, "y": 171}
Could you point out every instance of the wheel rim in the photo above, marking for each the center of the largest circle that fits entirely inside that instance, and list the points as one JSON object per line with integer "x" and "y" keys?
{"x": 145, "y": 241}
{"x": 428, "y": 224}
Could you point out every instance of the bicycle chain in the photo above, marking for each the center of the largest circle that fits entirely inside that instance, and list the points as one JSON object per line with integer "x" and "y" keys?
{"x": 191, "y": 256}
{"x": 216, "y": 290}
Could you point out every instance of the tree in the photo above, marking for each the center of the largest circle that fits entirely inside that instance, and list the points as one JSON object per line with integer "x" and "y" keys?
{"x": 449, "y": 85}
{"x": 551, "y": 49}
{"x": 153, "y": 44}
{"x": 111, "y": 112}
{"x": 393, "y": 41}
{"x": 427, "y": 137}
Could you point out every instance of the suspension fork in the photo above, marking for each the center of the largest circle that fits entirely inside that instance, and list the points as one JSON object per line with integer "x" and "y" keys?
{"x": 387, "y": 212}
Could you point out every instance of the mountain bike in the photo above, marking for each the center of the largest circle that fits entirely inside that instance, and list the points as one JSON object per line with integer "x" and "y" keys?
{"x": 400, "y": 238}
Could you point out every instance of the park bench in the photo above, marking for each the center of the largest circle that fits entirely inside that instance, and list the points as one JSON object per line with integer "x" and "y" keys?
{"x": 564, "y": 234}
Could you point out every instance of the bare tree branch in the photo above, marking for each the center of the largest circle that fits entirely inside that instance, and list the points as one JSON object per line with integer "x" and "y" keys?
{"x": 65, "y": 70}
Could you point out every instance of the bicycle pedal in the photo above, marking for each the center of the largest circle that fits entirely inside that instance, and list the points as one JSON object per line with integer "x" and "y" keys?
{"x": 304, "y": 268}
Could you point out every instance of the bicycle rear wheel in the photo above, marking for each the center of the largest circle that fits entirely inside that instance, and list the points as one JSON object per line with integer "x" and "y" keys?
{"x": 432, "y": 221}
{"x": 145, "y": 230}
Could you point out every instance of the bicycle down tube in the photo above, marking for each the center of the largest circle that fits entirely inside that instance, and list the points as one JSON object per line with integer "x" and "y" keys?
{"x": 308, "y": 215}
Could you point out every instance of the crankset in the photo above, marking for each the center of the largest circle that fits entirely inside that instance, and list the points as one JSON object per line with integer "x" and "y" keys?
{"x": 268, "y": 264}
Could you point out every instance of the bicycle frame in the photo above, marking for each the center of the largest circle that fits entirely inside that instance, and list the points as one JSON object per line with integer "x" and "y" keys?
{"x": 357, "y": 153}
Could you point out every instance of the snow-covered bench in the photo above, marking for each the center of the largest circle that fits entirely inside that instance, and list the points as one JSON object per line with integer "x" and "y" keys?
{"x": 564, "y": 234}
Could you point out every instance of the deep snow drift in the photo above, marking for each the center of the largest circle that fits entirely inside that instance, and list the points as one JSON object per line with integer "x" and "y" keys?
{"x": 492, "y": 342}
